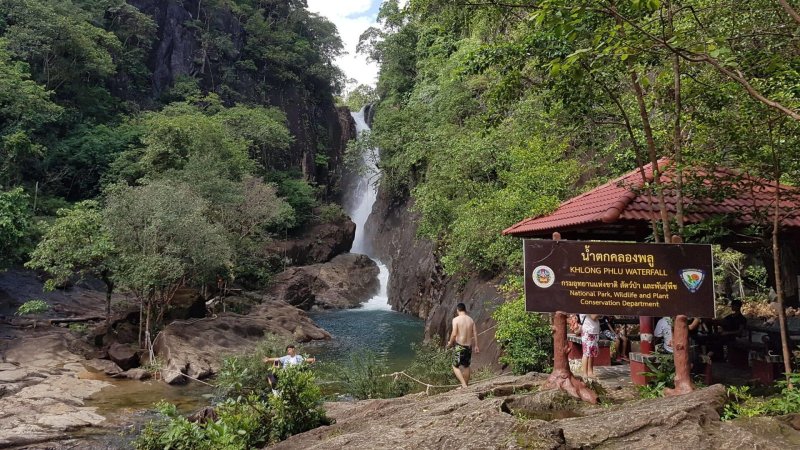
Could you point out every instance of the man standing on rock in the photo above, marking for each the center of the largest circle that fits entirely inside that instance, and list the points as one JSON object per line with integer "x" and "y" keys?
{"x": 464, "y": 333}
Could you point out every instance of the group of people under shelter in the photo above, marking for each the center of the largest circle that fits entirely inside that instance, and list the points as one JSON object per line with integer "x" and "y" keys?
{"x": 705, "y": 335}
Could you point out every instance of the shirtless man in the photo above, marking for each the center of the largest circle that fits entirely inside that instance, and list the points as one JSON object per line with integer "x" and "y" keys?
{"x": 464, "y": 333}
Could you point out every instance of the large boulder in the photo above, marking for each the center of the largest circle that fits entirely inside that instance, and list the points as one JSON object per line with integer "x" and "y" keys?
{"x": 196, "y": 348}
{"x": 125, "y": 356}
{"x": 345, "y": 282}
{"x": 316, "y": 244}
{"x": 485, "y": 416}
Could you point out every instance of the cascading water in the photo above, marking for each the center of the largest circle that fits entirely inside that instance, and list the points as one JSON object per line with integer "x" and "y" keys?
{"x": 359, "y": 208}
{"x": 373, "y": 327}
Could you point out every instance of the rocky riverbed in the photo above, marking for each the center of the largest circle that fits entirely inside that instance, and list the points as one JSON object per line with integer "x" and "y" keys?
{"x": 512, "y": 413}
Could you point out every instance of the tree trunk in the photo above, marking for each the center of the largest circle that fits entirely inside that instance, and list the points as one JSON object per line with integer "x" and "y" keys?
{"x": 562, "y": 378}
{"x": 776, "y": 262}
{"x": 651, "y": 150}
{"x": 677, "y": 134}
{"x": 109, "y": 291}
{"x": 680, "y": 345}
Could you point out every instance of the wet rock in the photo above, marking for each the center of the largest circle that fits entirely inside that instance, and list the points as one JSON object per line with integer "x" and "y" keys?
{"x": 317, "y": 244}
{"x": 196, "y": 348}
{"x": 103, "y": 365}
{"x": 345, "y": 282}
{"x": 134, "y": 374}
{"x": 417, "y": 282}
{"x": 125, "y": 356}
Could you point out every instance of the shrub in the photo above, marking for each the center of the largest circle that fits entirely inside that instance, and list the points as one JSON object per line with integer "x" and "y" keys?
{"x": 247, "y": 416}
{"x": 243, "y": 374}
{"x": 363, "y": 377}
{"x": 36, "y": 306}
{"x": 298, "y": 408}
{"x": 331, "y": 212}
{"x": 525, "y": 337}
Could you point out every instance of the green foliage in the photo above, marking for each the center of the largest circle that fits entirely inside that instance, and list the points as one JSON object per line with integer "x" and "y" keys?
{"x": 80, "y": 329}
{"x": 76, "y": 244}
{"x": 364, "y": 377}
{"x": 242, "y": 374}
{"x": 299, "y": 194}
{"x": 36, "y": 306}
{"x": 360, "y": 96}
{"x": 248, "y": 414}
{"x": 525, "y": 337}
{"x": 661, "y": 375}
{"x": 16, "y": 226}
{"x": 298, "y": 408}
{"x": 331, "y": 212}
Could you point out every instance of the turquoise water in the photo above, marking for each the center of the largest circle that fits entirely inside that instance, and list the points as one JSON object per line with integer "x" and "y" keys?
{"x": 386, "y": 333}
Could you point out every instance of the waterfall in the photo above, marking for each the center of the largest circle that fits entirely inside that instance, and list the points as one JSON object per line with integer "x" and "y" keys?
{"x": 359, "y": 207}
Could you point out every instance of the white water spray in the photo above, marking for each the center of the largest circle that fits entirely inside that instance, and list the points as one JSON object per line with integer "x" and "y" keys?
{"x": 359, "y": 208}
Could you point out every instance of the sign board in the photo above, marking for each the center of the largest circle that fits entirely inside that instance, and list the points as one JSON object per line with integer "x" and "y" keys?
{"x": 619, "y": 278}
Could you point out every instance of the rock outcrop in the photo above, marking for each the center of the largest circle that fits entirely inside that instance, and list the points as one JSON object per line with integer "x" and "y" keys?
{"x": 316, "y": 244}
{"x": 344, "y": 282}
{"x": 195, "y": 348}
{"x": 41, "y": 396}
{"x": 178, "y": 51}
{"x": 508, "y": 413}
{"x": 417, "y": 282}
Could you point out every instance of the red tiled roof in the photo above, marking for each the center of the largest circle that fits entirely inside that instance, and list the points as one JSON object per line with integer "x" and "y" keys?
{"x": 622, "y": 199}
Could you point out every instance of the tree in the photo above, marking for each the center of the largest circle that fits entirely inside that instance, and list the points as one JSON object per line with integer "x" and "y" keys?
{"x": 16, "y": 226}
{"x": 360, "y": 96}
{"x": 164, "y": 241}
{"x": 78, "y": 245}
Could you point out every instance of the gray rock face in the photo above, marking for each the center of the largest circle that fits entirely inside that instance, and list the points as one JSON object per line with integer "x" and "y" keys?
{"x": 41, "y": 394}
{"x": 418, "y": 284}
{"x": 318, "y": 244}
{"x": 482, "y": 417}
{"x": 103, "y": 365}
{"x": 345, "y": 282}
{"x": 196, "y": 348}
{"x": 134, "y": 374}
{"x": 124, "y": 356}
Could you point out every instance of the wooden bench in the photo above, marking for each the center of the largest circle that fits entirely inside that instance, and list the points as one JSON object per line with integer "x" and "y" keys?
{"x": 603, "y": 350}
{"x": 765, "y": 367}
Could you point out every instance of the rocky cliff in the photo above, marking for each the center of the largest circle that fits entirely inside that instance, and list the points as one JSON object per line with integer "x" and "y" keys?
{"x": 417, "y": 283}
{"x": 183, "y": 48}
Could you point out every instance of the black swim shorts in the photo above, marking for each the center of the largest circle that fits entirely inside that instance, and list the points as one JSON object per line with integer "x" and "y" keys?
{"x": 463, "y": 356}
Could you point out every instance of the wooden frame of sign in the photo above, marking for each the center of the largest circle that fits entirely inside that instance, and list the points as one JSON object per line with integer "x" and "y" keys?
{"x": 617, "y": 279}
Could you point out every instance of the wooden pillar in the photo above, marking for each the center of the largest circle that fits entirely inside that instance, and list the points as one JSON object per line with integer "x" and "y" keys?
{"x": 680, "y": 351}
{"x": 562, "y": 377}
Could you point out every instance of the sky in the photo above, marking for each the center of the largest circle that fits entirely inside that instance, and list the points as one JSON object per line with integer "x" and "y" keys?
{"x": 351, "y": 18}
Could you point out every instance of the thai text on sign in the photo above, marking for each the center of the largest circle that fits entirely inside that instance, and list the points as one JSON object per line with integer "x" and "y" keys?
{"x": 619, "y": 278}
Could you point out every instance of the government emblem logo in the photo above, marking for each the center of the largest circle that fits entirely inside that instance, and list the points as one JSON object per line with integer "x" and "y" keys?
{"x": 543, "y": 276}
{"x": 692, "y": 279}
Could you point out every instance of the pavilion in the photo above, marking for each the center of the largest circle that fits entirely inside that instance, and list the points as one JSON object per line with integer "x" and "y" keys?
{"x": 624, "y": 209}
{"x": 621, "y": 210}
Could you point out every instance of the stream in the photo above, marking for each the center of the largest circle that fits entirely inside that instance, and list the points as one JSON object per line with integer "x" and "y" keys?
{"x": 372, "y": 327}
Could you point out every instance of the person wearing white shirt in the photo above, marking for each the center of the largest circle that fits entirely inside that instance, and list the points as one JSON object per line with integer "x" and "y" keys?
{"x": 290, "y": 359}
{"x": 664, "y": 331}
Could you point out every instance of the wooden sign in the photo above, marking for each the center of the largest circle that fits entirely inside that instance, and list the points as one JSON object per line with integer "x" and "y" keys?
{"x": 619, "y": 278}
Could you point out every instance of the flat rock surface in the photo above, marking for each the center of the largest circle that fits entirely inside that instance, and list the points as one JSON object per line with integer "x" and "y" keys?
{"x": 196, "y": 347}
{"x": 41, "y": 395}
{"x": 508, "y": 412}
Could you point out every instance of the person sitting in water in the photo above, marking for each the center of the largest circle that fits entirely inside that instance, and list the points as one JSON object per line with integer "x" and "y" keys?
{"x": 290, "y": 359}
